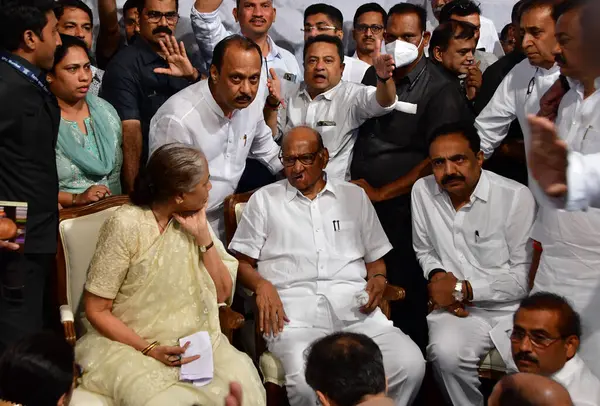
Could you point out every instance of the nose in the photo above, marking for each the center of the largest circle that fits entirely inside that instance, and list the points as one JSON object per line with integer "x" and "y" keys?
{"x": 449, "y": 168}
{"x": 557, "y": 50}
{"x": 526, "y": 41}
{"x": 85, "y": 75}
{"x": 245, "y": 87}
{"x": 298, "y": 167}
{"x": 525, "y": 345}
{"x": 163, "y": 20}
{"x": 79, "y": 33}
{"x": 257, "y": 11}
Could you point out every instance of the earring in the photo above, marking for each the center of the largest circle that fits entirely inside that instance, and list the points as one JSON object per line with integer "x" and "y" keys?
{"x": 178, "y": 200}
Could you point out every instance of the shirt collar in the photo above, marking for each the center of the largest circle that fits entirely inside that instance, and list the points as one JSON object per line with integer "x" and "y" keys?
{"x": 414, "y": 74}
{"x": 275, "y": 51}
{"x": 481, "y": 192}
{"x": 329, "y": 95}
{"x": 147, "y": 54}
{"x": 547, "y": 72}
{"x": 597, "y": 83}
{"x": 565, "y": 375}
{"x": 34, "y": 69}
{"x": 291, "y": 192}
{"x": 210, "y": 100}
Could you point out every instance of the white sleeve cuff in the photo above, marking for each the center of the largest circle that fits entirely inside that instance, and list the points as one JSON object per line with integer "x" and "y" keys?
{"x": 482, "y": 289}
{"x": 377, "y": 253}
{"x": 577, "y": 197}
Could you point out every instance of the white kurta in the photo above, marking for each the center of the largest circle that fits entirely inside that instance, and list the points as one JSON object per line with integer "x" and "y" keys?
{"x": 193, "y": 117}
{"x": 487, "y": 243}
{"x": 570, "y": 263}
{"x": 314, "y": 253}
{"x": 580, "y": 382}
{"x": 336, "y": 114}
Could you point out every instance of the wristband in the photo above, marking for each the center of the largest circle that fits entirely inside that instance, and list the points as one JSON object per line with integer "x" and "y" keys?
{"x": 382, "y": 80}
{"x": 379, "y": 274}
{"x": 435, "y": 271}
{"x": 273, "y": 106}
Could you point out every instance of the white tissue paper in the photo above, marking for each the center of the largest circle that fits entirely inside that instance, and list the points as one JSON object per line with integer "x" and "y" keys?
{"x": 361, "y": 298}
{"x": 201, "y": 371}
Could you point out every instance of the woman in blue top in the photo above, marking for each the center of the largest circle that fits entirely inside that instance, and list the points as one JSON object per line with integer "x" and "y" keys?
{"x": 88, "y": 150}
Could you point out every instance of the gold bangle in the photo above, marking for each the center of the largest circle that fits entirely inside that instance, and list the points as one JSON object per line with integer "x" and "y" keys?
{"x": 149, "y": 348}
{"x": 73, "y": 197}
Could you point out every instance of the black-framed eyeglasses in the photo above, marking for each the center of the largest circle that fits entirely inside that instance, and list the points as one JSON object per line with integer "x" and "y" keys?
{"x": 305, "y": 159}
{"x": 375, "y": 28}
{"x": 155, "y": 16}
{"x": 319, "y": 27}
{"x": 531, "y": 85}
{"x": 537, "y": 339}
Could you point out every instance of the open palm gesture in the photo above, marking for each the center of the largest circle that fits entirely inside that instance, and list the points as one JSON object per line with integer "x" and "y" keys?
{"x": 176, "y": 57}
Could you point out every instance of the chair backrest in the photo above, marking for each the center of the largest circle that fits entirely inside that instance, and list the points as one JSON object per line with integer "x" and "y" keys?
{"x": 234, "y": 207}
{"x": 79, "y": 228}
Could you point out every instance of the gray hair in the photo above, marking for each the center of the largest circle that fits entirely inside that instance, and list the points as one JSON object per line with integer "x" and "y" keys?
{"x": 172, "y": 169}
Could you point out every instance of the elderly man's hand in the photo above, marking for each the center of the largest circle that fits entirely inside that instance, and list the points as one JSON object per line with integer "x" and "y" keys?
{"x": 442, "y": 289}
{"x": 375, "y": 288}
{"x": 271, "y": 315}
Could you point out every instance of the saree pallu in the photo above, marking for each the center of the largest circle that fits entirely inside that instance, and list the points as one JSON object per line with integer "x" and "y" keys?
{"x": 167, "y": 294}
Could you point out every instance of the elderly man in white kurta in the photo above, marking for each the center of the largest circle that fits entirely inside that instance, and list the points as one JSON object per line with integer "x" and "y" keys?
{"x": 471, "y": 236}
{"x": 311, "y": 249}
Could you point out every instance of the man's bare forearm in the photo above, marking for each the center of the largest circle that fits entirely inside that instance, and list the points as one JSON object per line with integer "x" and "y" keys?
{"x": 403, "y": 185}
{"x": 109, "y": 37}
{"x": 132, "y": 153}
{"x": 247, "y": 273}
{"x": 386, "y": 93}
{"x": 376, "y": 268}
{"x": 207, "y": 6}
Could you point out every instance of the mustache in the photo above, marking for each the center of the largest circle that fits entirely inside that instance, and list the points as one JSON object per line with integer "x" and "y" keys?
{"x": 161, "y": 29}
{"x": 243, "y": 98}
{"x": 524, "y": 356}
{"x": 260, "y": 19}
{"x": 450, "y": 178}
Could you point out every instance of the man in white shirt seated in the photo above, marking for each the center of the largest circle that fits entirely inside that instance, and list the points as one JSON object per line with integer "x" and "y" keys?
{"x": 471, "y": 236}
{"x": 223, "y": 117}
{"x": 324, "y": 19}
{"x": 545, "y": 339}
{"x": 310, "y": 248}
{"x": 334, "y": 107}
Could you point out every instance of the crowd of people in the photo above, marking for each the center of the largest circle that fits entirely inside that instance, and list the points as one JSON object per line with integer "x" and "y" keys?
{"x": 459, "y": 162}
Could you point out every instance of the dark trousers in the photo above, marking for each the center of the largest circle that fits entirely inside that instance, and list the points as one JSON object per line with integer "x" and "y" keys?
{"x": 23, "y": 286}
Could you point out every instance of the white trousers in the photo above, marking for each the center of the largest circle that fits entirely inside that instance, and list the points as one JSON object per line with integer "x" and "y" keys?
{"x": 403, "y": 362}
{"x": 456, "y": 347}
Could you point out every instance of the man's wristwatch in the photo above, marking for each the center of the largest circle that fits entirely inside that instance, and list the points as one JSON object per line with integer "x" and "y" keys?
{"x": 458, "y": 292}
{"x": 204, "y": 248}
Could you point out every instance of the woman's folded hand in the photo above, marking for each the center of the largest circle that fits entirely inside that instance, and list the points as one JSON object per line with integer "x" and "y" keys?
{"x": 172, "y": 356}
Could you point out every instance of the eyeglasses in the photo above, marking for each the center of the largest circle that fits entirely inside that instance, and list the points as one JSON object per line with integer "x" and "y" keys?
{"x": 375, "y": 28}
{"x": 155, "y": 16}
{"x": 318, "y": 27}
{"x": 305, "y": 159}
{"x": 537, "y": 340}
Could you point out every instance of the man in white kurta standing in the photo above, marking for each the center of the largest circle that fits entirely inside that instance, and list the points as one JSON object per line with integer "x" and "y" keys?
{"x": 311, "y": 250}
{"x": 471, "y": 235}
{"x": 570, "y": 261}
{"x": 224, "y": 118}
{"x": 334, "y": 107}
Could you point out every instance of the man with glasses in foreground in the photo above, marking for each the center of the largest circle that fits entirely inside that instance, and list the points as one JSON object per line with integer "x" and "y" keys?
{"x": 141, "y": 77}
{"x": 310, "y": 248}
{"x": 545, "y": 339}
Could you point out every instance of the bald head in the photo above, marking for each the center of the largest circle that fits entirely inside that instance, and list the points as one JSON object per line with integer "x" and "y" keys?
{"x": 525, "y": 389}
{"x": 302, "y": 134}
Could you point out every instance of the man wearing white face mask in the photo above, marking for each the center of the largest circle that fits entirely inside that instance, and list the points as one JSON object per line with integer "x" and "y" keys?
{"x": 391, "y": 153}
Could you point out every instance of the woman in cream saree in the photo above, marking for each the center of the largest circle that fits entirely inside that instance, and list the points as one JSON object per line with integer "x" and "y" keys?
{"x": 161, "y": 291}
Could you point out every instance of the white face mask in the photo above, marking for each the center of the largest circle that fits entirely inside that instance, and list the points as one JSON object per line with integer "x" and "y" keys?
{"x": 404, "y": 53}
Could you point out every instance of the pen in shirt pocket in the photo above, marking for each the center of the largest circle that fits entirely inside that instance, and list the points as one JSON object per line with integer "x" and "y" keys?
{"x": 476, "y": 236}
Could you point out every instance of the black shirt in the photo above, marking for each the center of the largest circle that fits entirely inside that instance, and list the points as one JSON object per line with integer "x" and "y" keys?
{"x": 388, "y": 147}
{"x": 29, "y": 120}
{"x": 135, "y": 91}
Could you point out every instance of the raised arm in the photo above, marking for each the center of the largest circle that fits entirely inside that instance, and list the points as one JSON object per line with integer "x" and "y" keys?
{"x": 109, "y": 37}
{"x": 208, "y": 27}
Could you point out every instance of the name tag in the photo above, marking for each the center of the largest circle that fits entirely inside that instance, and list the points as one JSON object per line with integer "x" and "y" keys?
{"x": 326, "y": 124}
{"x": 290, "y": 76}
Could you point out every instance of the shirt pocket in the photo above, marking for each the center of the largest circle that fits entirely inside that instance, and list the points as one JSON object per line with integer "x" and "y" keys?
{"x": 490, "y": 251}
{"x": 346, "y": 238}
{"x": 590, "y": 144}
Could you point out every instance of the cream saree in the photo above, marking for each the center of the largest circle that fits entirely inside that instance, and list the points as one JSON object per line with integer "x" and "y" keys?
{"x": 162, "y": 291}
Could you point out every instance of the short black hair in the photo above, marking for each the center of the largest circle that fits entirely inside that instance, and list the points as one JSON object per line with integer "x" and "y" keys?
{"x": 61, "y": 5}
{"x": 369, "y": 8}
{"x": 129, "y": 4}
{"x": 239, "y": 40}
{"x": 570, "y": 322}
{"x": 409, "y": 8}
{"x": 529, "y": 5}
{"x": 37, "y": 370}
{"x": 346, "y": 367}
{"x": 504, "y": 32}
{"x": 329, "y": 39}
{"x": 237, "y": 3}
{"x": 466, "y": 128}
{"x": 141, "y": 4}
{"x": 18, "y": 16}
{"x": 461, "y": 8}
{"x": 448, "y": 31}
{"x": 515, "y": 15}
{"x": 68, "y": 41}
{"x": 336, "y": 16}
{"x": 566, "y": 6}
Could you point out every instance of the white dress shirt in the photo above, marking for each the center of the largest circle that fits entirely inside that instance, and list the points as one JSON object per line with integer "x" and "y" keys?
{"x": 312, "y": 249}
{"x": 583, "y": 178}
{"x": 486, "y": 242}
{"x": 354, "y": 69}
{"x": 580, "y": 382}
{"x": 336, "y": 114}
{"x": 517, "y": 96}
{"x": 193, "y": 117}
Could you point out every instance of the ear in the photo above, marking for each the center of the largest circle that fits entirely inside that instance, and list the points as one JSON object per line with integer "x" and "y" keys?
{"x": 323, "y": 399}
{"x": 426, "y": 39}
{"x": 480, "y": 158}
{"x": 387, "y": 386}
{"x": 572, "y": 345}
{"x": 61, "y": 401}
{"x": 437, "y": 54}
{"x": 49, "y": 78}
{"x": 235, "y": 14}
{"x": 179, "y": 198}
{"x": 214, "y": 73}
{"x": 30, "y": 39}
{"x": 343, "y": 66}
{"x": 340, "y": 34}
{"x": 274, "y": 14}
{"x": 325, "y": 162}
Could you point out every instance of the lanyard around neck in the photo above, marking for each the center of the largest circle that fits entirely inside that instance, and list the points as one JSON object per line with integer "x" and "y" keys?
{"x": 25, "y": 72}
